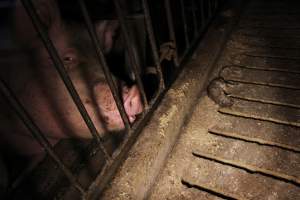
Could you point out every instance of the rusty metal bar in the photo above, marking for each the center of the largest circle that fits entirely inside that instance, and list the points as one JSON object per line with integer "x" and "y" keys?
{"x": 121, "y": 17}
{"x": 103, "y": 64}
{"x": 37, "y": 133}
{"x": 171, "y": 30}
{"x": 59, "y": 66}
{"x": 153, "y": 43}
{"x": 184, "y": 24}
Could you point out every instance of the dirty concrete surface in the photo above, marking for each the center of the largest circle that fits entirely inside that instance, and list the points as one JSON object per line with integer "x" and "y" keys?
{"x": 194, "y": 149}
{"x": 250, "y": 150}
{"x": 141, "y": 169}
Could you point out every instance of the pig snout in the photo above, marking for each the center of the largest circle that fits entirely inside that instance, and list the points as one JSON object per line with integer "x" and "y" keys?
{"x": 131, "y": 101}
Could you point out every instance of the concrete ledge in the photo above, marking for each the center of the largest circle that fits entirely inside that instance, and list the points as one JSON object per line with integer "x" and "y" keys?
{"x": 147, "y": 157}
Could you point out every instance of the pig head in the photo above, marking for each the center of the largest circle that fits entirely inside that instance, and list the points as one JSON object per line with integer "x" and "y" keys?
{"x": 40, "y": 89}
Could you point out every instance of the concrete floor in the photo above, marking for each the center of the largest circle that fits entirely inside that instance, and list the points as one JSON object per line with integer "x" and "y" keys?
{"x": 251, "y": 149}
{"x": 194, "y": 149}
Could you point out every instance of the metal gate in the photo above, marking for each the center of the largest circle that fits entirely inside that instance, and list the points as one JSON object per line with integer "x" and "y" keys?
{"x": 171, "y": 31}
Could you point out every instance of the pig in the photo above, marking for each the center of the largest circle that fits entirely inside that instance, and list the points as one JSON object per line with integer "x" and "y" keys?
{"x": 40, "y": 89}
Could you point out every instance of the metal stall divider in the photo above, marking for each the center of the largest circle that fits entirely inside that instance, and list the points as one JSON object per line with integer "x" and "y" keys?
{"x": 125, "y": 32}
{"x": 102, "y": 61}
{"x": 194, "y": 8}
{"x": 62, "y": 72}
{"x": 154, "y": 48}
{"x": 183, "y": 16}
{"x": 172, "y": 42}
{"x": 37, "y": 133}
{"x": 132, "y": 130}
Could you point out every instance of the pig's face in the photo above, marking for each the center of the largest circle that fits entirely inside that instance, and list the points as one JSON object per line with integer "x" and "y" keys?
{"x": 45, "y": 93}
{"x": 88, "y": 76}
{"x": 98, "y": 98}
{"x": 42, "y": 92}
{"x": 107, "y": 106}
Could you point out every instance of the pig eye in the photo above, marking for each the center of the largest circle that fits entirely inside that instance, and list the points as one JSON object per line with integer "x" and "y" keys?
{"x": 68, "y": 59}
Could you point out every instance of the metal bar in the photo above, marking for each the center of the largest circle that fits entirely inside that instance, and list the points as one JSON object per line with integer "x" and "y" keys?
{"x": 37, "y": 133}
{"x": 218, "y": 3}
{"x": 194, "y": 18}
{"x": 153, "y": 43}
{"x": 171, "y": 30}
{"x": 203, "y": 18}
{"x": 125, "y": 31}
{"x": 119, "y": 155}
{"x": 209, "y": 8}
{"x": 184, "y": 24}
{"x": 212, "y": 5}
{"x": 183, "y": 56}
{"x": 59, "y": 66}
{"x": 215, "y": 4}
{"x": 103, "y": 63}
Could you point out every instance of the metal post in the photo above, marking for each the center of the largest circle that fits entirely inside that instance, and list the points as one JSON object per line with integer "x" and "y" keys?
{"x": 125, "y": 31}
{"x": 103, "y": 63}
{"x": 58, "y": 64}
{"x": 171, "y": 30}
{"x": 153, "y": 43}
{"x": 203, "y": 18}
{"x": 194, "y": 18}
{"x": 37, "y": 133}
{"x": 184, "y": 24}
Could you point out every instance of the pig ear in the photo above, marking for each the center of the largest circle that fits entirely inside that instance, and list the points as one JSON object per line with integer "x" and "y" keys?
{"x": 70, "y": 59}
{"x": 106, "y": 31}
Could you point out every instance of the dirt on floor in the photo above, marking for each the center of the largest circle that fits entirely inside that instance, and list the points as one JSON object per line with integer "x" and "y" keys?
{"x": 249, "y": 150}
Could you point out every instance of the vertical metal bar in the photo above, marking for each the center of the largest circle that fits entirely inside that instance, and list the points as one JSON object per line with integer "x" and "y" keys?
{"x": 37, "y": 133}
{"x": 152, "y": 42}
{"x": 194, "y": 18}
{"x": 171, "y": 30}
{"x": 184, "y": 24}
{"x": 62, "y": 72}
{"x": 214, "y": 3}
{"x": 217, "y": 4}
{"x": 203, "y": 18}
{"x": 125, "y": 31}
{"x": 209, "y": 8}
{"x": 103, "y": 63}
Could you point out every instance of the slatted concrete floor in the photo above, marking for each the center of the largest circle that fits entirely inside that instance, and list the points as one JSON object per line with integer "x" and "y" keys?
{"x": 252, "y": 149}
